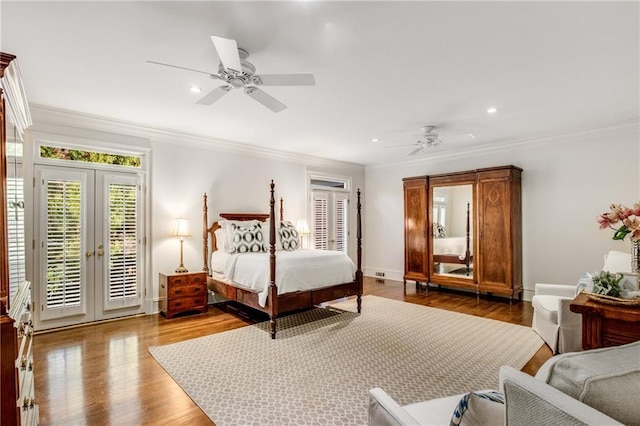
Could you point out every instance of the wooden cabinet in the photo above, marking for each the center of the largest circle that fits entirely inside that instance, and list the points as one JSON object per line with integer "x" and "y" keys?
{"x": 606, "y": 325}
{"x": 486, "y": 250}
{"x": 18, "y": 389}
{"x": 183, "y": 293}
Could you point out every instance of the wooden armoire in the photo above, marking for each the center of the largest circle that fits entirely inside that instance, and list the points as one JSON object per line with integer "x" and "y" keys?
{"x": 493, "y": 230}
{"x": 17, "y": 400}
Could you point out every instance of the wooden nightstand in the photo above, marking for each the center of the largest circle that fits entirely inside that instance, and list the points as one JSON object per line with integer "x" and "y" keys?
{"x": 183, "y": 293}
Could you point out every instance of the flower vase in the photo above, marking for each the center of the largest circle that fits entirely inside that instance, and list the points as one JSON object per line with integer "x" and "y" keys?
{"x": 635, "y": 256}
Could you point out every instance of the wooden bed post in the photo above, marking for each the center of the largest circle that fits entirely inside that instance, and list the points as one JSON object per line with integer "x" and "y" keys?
{"x": 205, "y": 245}
{"x": 467, "y": 253}
{"x": 359, "y": 253}
{"x": 273, "y": 290}
{"x": 281, "y": 209}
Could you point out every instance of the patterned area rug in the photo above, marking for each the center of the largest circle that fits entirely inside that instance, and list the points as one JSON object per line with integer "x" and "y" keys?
{"x": 323, "y": 362}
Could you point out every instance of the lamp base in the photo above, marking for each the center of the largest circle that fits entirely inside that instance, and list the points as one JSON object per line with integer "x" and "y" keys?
{"x": 181, "y": 269}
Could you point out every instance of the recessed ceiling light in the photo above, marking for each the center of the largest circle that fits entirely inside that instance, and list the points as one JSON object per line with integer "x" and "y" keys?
{"x": 195, "y": 89}
{"x": 492, "y": 110}
{"x": 375, "y": 140}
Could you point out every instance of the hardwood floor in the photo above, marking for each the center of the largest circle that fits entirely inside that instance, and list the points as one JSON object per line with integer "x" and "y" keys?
{"x": 103, "y": 374}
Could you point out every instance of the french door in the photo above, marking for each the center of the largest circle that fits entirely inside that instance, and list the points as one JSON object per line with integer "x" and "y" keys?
{"x": 88, "y": 245}
{"x": 330, "y": 226}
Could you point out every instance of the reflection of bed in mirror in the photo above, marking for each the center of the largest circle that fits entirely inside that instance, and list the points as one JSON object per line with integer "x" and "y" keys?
{"x": 457, "y": 250}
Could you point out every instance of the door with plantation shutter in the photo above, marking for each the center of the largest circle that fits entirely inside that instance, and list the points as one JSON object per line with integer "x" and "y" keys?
{"x": 88, "y": 245}
{"x": 330, "y": 226}
{"x": 118, "y": 246}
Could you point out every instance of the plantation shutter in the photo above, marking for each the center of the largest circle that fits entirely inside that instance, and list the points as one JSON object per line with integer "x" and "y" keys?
{"x": 320, "y": 221}
{"x": 15, "y": 225}
{"x": 64, "y": 243}
{"x": 341, "y": 226}
{"x": 122, "y": 249}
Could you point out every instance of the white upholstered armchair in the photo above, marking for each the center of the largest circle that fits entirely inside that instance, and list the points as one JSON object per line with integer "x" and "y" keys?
{"x": 552, "y": 318}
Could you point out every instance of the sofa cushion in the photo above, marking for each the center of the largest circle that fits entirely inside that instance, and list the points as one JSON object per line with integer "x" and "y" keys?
{"x": 546, "y": 306}
{"x": 606, "y": 379}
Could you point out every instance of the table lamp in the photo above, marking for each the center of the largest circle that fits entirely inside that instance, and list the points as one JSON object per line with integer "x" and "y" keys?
{"x": 303, "y": 230}
{"x": 181, "y": 230}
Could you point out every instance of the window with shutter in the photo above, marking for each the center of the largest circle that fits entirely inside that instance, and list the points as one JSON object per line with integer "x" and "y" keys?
{"x": 341, "y": 225}
{"x": 122, "y": 249}
{"x": 329, "y": 215}
{"x": 63, "y": 244}
{"x": 15, "y": 225}
{"x": 320, "y": 235}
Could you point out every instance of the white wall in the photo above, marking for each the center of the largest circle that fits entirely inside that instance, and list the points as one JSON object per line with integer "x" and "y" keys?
{"x": 234, "y": 182}
{"x": 184, "y": 166}
{"x": 567, "y": 182}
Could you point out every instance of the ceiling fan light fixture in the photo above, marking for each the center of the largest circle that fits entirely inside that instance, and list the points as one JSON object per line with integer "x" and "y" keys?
{"x": 195, "y": 89}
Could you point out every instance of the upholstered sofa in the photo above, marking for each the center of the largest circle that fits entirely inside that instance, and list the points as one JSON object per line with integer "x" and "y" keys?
{"x": 553, "y": 320}
{"x": 596, "y": 387}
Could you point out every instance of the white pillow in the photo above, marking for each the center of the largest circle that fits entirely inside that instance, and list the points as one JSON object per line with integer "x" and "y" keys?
{"x": 265, "y": 233}
{"x": 221, "y": 241}
{"x": 617, "y": 261}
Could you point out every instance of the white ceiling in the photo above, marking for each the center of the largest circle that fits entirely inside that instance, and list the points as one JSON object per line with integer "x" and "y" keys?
{"x": 383, "y": 69}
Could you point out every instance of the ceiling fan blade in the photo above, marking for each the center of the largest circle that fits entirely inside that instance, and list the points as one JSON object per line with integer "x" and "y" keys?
{"x": 265, "y": 99}
{"x": 286, "y": 79}
{"x": 417, "y": 150}
{"x": 184, "y": 68}
{"x": 214, "y": 95}
{"x": 228, "y": 52}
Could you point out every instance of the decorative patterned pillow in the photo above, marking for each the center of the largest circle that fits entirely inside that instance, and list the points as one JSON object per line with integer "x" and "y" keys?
{"x": 288, "y": 236}
{"x": 247, "y": 240}
{"x": 478, "y": 408}
{"x": 438, "y": 230}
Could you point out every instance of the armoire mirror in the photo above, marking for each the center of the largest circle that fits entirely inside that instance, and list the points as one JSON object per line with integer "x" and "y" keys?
{"x": 451, "y": 203}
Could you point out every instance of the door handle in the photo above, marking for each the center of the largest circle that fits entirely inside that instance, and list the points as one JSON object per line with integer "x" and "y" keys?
{"x": 100, "y": 252}
{"x": 89, "y": 254}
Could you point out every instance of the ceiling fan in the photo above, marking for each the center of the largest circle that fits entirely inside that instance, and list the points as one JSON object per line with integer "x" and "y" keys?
{"x": 428, "y": 139}
{"x": 238, "y": 73}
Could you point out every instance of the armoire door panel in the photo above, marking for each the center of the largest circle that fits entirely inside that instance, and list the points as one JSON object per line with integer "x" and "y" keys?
{"x": 416, "y": 248}
{"x": 495, "y": 232}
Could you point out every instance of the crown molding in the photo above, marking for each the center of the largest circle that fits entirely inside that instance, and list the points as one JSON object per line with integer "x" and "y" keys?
{"x": 73, "y": 119}
{"x": 502, "y": 146}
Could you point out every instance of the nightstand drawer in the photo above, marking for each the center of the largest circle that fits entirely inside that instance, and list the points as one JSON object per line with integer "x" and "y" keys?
{"x": 187, "y": 303}
{"x": 188, "y": 279}
{"x": 186, "y": 290}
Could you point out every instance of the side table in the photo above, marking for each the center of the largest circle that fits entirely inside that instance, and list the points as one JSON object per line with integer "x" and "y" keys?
{"x": 183, "y": 292}
{"x": 606, "y": 325}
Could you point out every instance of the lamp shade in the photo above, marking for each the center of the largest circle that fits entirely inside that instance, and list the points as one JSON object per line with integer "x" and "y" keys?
{"x": 181, "y": 228}
{"x": 302, "y": 227}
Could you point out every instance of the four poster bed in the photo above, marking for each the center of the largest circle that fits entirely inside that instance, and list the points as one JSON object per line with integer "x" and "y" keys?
{"x": 454, "y": 249}
{"x": 248, "y": 275}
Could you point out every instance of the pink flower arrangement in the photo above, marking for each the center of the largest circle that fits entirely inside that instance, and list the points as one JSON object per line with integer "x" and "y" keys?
{"x": 630, "y": 218}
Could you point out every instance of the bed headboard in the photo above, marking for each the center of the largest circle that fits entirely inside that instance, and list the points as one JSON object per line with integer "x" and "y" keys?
{"x": 208, "y": 232}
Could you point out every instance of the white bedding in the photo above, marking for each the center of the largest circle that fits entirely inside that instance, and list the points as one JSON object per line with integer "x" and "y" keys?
{"x": 452, "y": 245}
{"x": 296, "y": 270}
